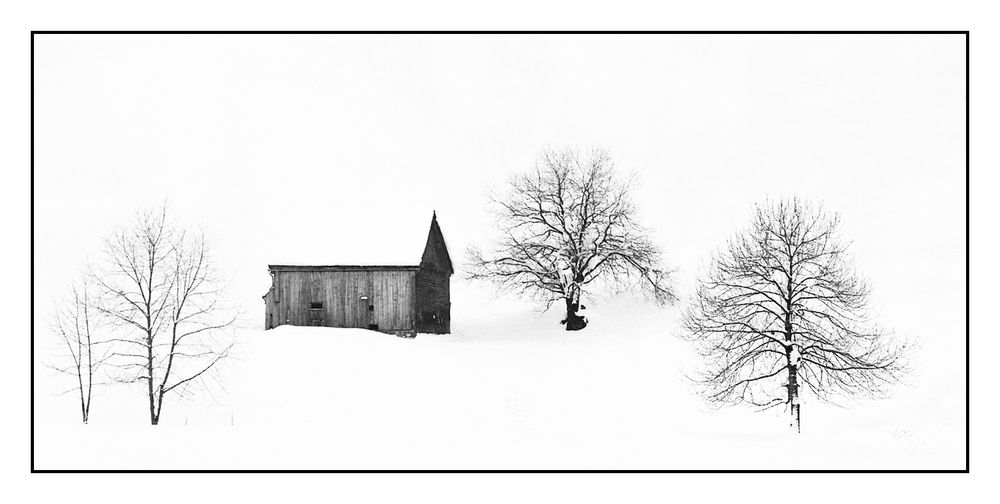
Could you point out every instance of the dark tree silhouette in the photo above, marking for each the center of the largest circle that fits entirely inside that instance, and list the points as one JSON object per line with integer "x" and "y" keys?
{"x": 781, "y": 308}
{"x": 159, "y": 285}
{"x": 565, "y": 225}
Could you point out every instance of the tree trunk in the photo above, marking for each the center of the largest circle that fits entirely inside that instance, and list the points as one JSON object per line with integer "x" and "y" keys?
{"x": 149, "y": 381}
{"x": 792, "y": 354}
{"x": 573, "y": 321}
{"x": 83, "y": 403}
{"x": 159, "y": 404}
{"x": 154, "y": 418}
{"x": 793, "y": 397}
{"x": 798, "y": 418}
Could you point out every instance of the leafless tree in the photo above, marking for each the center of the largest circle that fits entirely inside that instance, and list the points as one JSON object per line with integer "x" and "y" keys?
{"x": 565, "y": 225}
{"x": 160, "y": 287}
{"x": 75, "y": 325}
{"x": 781, "y": 308}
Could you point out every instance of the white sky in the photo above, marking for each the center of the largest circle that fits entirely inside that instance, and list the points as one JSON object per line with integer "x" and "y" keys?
{"x": 335, "y": 149}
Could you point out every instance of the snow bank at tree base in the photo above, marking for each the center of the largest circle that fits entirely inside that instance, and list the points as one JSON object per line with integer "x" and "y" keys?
{"x": 503, "y": 393}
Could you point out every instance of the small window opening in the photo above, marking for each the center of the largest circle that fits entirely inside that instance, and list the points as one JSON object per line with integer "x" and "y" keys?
{"x": 315, "y": 306}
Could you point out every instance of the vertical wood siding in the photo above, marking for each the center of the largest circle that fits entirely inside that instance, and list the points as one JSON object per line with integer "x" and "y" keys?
{"x": 391, "y": 293}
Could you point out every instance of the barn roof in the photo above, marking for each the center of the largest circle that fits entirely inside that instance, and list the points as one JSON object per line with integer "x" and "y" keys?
{"x": 338, "y": 267}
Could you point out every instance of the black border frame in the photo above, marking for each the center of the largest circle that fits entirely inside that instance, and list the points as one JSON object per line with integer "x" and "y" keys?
{"x": 966, "y": 33}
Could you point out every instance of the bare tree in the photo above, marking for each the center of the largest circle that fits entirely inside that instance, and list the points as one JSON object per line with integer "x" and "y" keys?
{"x": 160, "y": 287}
{"x": 75, "y": 326}
{"x": 566, "y": 224}
{"x": 781, "y": 308}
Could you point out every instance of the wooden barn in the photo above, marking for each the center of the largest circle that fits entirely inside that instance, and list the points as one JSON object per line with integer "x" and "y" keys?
{"x": 403, "y": 300}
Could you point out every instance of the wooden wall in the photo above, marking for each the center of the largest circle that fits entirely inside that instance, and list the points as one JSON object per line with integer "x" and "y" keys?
{"x": 433, "y": 302}
{"x": 391, "y": 293}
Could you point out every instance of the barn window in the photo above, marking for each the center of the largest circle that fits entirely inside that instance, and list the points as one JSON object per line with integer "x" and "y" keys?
{"x": 315, "y": 313}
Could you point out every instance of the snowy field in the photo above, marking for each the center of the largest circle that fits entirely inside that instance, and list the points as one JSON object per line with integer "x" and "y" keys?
{"x": 376, "y": 133}
{"x": 510, "y": 390}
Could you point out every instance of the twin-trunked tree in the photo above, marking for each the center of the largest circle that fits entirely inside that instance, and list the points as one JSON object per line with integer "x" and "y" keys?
{"x": 80, "y": 350}
{"x": 781, "y": 309}
{"x": 565, "y": 225}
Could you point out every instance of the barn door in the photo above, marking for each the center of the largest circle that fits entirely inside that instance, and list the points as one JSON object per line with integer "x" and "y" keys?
{"x": 361, "y": 302}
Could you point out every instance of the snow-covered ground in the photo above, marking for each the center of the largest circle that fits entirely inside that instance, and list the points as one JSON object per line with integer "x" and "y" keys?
{"x": 508, "y": 390}
{"x": 376, "y": 133}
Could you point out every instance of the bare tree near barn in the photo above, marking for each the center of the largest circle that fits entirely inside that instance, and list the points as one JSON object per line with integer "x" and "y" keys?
{"x": 75, "y": 325}
{"x": 565, "y": 225}
{"x": 161, "y": 288}
{"x": 781, "y": 309}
